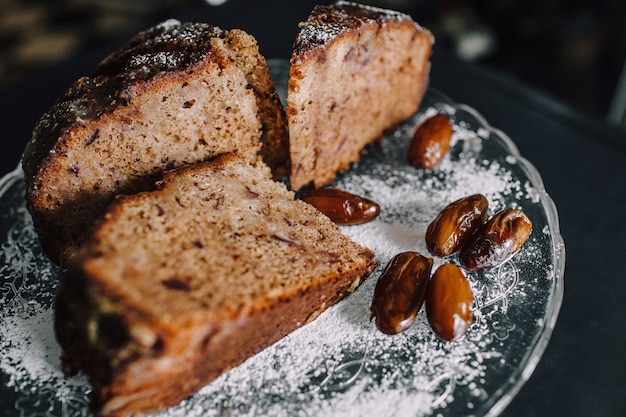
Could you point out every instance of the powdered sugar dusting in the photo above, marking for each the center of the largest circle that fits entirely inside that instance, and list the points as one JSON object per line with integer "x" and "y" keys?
{"x": 339, "y": 364}
{"x": 386, "y": 13}
{"x": 29, "y": 353}
{"x": 168, "y": 24}
{"x": 33, "y": 333}
{"x": 162, "y": 60}
{"x": 328, "y": 22}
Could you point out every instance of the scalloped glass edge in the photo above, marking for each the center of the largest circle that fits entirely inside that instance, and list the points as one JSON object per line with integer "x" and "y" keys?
{"x": 502, "y": 398}
{"x": 9, "y": 178}
{"x": 534, "y": 355}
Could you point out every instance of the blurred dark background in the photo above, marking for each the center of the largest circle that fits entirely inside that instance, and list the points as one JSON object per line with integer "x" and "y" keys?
{"x": 573, "y": 50}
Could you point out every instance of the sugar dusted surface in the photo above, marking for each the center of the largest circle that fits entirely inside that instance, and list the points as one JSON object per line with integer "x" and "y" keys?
{"x": 328, "y": 22}
{"x": 339, "y": 364}
{"x": 386, "y": 13}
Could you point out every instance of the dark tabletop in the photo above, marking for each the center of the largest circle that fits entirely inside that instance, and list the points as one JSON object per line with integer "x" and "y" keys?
{"x": 582, "y": 162}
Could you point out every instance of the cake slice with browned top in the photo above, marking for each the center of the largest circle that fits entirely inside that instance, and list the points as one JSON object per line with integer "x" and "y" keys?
{"x": 173, "y": 95}
{"x": 177, "y": 285}
{"x": 356, "y": 71}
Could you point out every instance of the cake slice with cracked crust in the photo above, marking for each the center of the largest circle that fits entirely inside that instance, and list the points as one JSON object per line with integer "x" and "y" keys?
{"x": 175, "y": 94}
{"x": 355, "y": 72}
{"x": 177, "y": 285}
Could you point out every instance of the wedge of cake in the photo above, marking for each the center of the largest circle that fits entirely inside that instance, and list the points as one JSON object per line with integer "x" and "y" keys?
{"x": 173, "y": 95}
{"x": 177, "y": 285}
{"x": 355, "y": 72}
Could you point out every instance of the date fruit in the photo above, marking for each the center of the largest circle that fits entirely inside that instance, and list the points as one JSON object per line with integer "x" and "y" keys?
{"x": 400, "y": 292}
{"x": 341, "y": 206}
{"x": 449, "y": 302}
{"x": 455, "y": 224}
{"x": 430, "y": 142}
{"x": 496, "y": 241}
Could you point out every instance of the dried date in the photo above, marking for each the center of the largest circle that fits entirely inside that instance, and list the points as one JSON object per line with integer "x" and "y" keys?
{"x": 448, "y": 303}
{"x": 430, "y": 142}
{"x": 496, "y": 241}
{"x": 341, "y": 206}
{"x": 400, "y": 292}
{"x": 455, "y": 224}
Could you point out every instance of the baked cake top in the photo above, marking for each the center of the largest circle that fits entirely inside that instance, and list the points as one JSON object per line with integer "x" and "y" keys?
{"x": 165, "y": 47}
{"x": 327, "y": 22}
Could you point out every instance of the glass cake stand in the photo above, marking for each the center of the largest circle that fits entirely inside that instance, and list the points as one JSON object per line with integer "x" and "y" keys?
{"x": 340, "y": 364}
